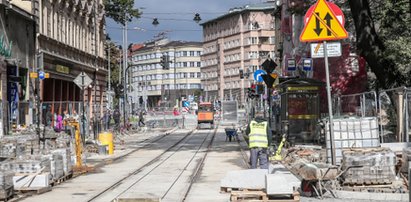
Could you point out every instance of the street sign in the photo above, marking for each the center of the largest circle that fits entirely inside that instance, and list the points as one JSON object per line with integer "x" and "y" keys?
{"x": 257, "y": 75}
{"x": 41, "y": 75}
{"x": 33, "y": 75}
{"x": 333, "y": 50}
{"x": 307, "y": 64}
{"x": 82, "y": 80}
{"x": 334, "y": 8}
{"x": 323, "y": 25}
{"x": 291, "y": 66}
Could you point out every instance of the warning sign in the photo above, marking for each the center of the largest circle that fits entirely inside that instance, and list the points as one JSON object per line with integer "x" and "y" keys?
{"x": 323, "y": 25}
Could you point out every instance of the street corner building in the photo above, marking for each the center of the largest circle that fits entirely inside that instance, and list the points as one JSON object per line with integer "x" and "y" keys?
{"x": 45, "y": 45}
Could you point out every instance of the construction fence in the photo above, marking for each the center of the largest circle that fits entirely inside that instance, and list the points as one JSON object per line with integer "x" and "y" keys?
{"x": 392, "y": 107}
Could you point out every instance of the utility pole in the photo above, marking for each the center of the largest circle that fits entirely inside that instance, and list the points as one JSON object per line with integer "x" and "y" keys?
{"x": 109, "y": 77}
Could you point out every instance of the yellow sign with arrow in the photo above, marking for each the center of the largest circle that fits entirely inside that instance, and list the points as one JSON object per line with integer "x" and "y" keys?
{"x": 323, "y": 25}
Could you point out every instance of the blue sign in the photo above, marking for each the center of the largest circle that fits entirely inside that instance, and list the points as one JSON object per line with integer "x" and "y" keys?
{"x": 186, "y": 104}
{"x": 291, "y": 66}
{"x": 307, "y": 64}
{"x": 257, "y": 75}
{"x": 41, "y": 75}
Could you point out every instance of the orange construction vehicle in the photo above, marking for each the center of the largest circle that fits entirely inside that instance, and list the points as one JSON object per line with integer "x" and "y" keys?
{"x": 205, "y": 114}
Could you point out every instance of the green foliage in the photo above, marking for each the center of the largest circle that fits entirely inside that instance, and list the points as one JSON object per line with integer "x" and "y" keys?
{"x": 121, "y": 10}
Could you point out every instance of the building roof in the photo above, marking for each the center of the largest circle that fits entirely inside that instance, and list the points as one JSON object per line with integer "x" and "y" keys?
{"x": 247, "y": 8}
{"x": 172, "y": 44}
{"x": 136, "y": 47}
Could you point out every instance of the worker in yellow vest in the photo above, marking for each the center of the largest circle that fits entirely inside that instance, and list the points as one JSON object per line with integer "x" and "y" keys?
{"x": 259, "y": 139}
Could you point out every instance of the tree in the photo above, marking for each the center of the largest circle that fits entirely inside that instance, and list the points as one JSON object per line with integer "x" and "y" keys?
{"x": 121, "y": 11}
{"x": 383, "y": 37}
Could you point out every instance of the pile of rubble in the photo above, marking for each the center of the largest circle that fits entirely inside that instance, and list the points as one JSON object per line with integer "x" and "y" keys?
{"x": 361, "y": 169}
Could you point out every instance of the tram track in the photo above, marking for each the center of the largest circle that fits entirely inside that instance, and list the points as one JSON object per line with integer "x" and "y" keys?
{"x": 117, "y": 183}
{"x": 126, "y": 183}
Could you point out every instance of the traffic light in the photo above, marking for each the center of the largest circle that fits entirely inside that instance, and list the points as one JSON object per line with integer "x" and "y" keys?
{"x": 164, "y": 62}
{"x": 241, "y": 74}
{"x": 251, "y": 92}
{"x": 259, "y": 89}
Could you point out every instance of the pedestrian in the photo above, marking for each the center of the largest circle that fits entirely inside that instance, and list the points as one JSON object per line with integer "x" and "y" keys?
{"x": 59, "y": 123}
{"x": 259, "y": 140}
{"x": 141, "y": 118}
{"x": 175, "y": 113}
{"x": 116, "y": 117}
{"x": 108, "y": 119}
{"x": 75, "y": 116}
{"x": 49, "y": 117}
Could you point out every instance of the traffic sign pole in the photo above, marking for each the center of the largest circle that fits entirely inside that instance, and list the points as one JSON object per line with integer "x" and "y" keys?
{"x": 330, "y": 109}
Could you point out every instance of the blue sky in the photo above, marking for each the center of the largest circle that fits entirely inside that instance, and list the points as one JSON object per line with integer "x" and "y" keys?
{"x": 175, "y": 17}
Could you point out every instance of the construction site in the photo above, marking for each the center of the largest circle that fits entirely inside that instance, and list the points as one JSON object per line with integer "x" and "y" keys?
{"x": 184, "y": 159}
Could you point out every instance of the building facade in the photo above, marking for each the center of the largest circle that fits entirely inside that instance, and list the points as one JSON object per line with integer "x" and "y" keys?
{"x": 234, "y": 43}
{"x": 17, "y": 55}
{"x": 155, "y": 86}
{"x": 70, "y": 40}
{"x": 60, "y": 38}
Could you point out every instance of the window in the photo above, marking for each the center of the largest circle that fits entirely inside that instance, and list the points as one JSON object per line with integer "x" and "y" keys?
{"x": 192, "y": 75}
{"x": 198, "y": 53}
{"x": 198, "y": 75}
{"x": 184, "y": 64}
{"x": 198, "y": 64}
{"x": 253, "y": 40}
{"x": 185, "y": 53}
{"x": 191, "y": 64}
{"x": 191, "y": 53}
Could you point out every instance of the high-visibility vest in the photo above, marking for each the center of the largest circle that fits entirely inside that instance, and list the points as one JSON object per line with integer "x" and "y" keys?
{"x": 258, "y": 134}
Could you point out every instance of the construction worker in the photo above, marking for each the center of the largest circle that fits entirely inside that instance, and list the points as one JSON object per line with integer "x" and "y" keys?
{"x": 259, "y": 138}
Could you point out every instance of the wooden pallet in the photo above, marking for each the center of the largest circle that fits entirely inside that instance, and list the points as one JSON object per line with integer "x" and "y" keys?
{"x": 34, "y": 190}
{"x": 61, "y": 180}
{"x": 260, "y": 196}
{"x": 230, "y": 189}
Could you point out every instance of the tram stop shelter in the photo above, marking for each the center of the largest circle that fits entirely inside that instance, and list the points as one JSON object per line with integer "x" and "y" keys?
{"x": 300, "y": 109}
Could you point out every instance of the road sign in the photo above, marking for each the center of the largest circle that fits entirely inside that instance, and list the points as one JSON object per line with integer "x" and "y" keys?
{"x": 291, "y": 66}
{"x": 307, "y": 64}
{"x": 257, "y": 75}
{"x": 41, "y": 75}
{"x": 333, "y": 50}
{"x": 323, "y": 25}
{"x": 334, "y": 8}
{"x": 33, "y": 75}
{"x": 82, "y": 80}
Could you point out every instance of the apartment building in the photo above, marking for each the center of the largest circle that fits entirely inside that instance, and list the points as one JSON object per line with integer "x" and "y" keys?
{"x": 235, "y": 45}
{"x": 156, "y": 86}
{"x": 71, "y": 35}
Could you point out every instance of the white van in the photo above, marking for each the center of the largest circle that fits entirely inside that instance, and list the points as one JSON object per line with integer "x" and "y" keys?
{"x": 194, "y": 106}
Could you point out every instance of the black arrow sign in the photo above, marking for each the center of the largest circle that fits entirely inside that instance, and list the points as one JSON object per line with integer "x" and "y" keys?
{"x": 328, "y": 18}
{"x": 317, "y": 29}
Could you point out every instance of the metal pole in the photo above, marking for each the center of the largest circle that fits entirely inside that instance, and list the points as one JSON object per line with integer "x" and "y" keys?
{"x": 109, "y": 78}
{"x": 124, "y": 70}
{"x": 330, "y": 109}
{"x": 175, "y": 77}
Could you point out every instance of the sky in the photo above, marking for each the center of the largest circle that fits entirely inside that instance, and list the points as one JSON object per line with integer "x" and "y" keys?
{"x": 175, "y": 18}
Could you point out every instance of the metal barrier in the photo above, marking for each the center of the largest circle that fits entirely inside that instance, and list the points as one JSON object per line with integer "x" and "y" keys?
{"x": 360, "y": 104}
{"x": 392, "y": 107}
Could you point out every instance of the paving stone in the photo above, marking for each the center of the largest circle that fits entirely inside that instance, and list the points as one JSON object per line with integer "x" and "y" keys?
{"x": 281, "y": 181}
{"x": 245, "y": 179}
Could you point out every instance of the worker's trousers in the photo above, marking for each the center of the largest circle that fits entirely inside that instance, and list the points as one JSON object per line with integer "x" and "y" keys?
{"x": 259, "y": 155}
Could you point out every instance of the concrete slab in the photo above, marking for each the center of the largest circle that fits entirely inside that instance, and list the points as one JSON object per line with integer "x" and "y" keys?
{"x": 246, "y": 179}
{"x": 281, "y": 181}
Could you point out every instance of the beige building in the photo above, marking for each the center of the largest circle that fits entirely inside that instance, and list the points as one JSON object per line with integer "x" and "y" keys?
{"x": 238, "y": 41}
{"x": 156, "y": 86}
{"x": 70, "y": 39}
